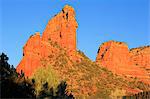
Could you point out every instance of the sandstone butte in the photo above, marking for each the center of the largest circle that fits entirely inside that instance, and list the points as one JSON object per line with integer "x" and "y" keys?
{"x": 61, "y": 29}
{"x": 117, "y": 57}
{"x": 57, "y": 47}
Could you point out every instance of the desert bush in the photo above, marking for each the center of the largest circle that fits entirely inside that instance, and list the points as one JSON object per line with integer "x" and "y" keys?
{"x": 118, "y": 93}
{"x": 44, "y": 75}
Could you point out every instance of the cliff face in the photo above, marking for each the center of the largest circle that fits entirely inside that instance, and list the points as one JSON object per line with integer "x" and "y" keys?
{"x": 31, "y": 55}
{"x": 141, "y": 57}
{"x": 61, "y": 31}
{"x": 117, "y": 58}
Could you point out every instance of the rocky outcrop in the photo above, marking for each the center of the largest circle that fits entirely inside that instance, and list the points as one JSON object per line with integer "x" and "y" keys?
{"x": 141, "y": 57}
{"x": 117, "y": 58}
{"x": 31, "y": 55}
{"x": 60, "y": 31}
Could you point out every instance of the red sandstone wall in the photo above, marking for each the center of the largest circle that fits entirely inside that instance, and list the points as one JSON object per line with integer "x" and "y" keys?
{"x": 62, "y": 29}
{"x": 117, "y": 58}
{"x": 141, "y": 57}
{"x": 31, "y": 55}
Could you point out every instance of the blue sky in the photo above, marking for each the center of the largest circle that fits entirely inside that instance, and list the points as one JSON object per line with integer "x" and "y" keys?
{"x": 99, "y": 21}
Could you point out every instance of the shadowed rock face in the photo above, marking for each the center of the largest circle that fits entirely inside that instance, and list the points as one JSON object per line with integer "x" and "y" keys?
{"x": 61, "y": 30}
{"x": 117, "y": 58}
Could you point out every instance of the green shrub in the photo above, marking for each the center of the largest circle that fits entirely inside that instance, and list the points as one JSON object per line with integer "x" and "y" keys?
{"x": 45, "y": 75}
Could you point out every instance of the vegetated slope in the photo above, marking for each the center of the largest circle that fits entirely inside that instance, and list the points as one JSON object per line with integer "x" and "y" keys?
{"x": 85, "y": 78}
{"x": 53, "y": 58}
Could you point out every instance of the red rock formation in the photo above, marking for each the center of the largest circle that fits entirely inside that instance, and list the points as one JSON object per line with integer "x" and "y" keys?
{"x": 141, "y": 57}
{"x": 31, "y": 55}
{"x": 57, "y": 48}
{"x": 117, "y": 58}
{"x": 61, "y": 30}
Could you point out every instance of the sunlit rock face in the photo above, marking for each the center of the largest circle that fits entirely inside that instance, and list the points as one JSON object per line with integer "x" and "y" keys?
{"x": 141, "y": 57}
{"x": 61, "y": 30}
{"x": 31, "y": 55}
{"x": 117, "y": 58}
